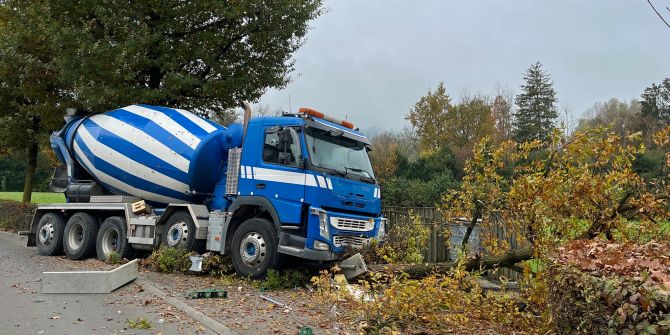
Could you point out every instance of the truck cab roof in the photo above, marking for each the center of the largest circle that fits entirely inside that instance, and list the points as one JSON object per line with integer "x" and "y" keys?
{"x": 295, "y": 120}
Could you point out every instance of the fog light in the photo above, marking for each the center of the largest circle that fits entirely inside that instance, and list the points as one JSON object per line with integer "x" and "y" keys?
{"x": 318, "y": 245}
{"x": 381, "y": 233}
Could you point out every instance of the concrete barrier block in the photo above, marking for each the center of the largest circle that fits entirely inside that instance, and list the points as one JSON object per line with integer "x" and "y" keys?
{"x": 89, "y": 281}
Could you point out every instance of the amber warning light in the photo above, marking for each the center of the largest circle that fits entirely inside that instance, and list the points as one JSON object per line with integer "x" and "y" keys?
{"x": 316, "y": 113}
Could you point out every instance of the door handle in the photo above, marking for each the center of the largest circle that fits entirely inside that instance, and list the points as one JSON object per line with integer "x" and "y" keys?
{"x": 260, "y": 186}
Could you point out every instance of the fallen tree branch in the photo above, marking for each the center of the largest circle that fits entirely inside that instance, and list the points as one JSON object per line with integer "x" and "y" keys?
{"x": 507, "y": 259}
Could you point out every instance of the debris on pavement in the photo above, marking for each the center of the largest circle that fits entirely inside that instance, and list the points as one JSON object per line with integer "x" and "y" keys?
{"x": 208, "y": 293}
{"x": 278, "y": 303}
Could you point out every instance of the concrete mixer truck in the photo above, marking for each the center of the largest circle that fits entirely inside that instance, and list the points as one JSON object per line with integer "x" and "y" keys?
{"x": 142, "y": 176}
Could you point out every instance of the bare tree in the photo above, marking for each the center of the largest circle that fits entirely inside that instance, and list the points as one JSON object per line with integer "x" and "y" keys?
{"x": 659, "y": 14}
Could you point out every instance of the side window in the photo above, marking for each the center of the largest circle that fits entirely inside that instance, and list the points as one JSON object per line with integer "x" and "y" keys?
{"x": 281, "y": 147}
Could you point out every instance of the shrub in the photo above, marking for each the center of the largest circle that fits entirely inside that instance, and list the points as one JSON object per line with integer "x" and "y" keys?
{"x": 217, "y": 265}
{"x": 287, "y": 279}
{"x": 114, "y": 258}
{"x": 176, "y": 260}
{"x": 404, "y": 242}
{"x": 169, "y": 260}
{"x": 15, "y": 215}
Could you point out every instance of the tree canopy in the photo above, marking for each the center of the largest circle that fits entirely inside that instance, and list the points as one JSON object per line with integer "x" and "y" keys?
{"x": 200, "y": 55}
{"x": 206, "y": 56}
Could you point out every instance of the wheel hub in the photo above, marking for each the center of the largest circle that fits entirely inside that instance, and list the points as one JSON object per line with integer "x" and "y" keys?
{"x": 177, "y": 233}
{"x": 46, "y": 233}
{"x": 110, "y": 241}
{"x": 76, "y": 236}
{"x": 252, "y": 249}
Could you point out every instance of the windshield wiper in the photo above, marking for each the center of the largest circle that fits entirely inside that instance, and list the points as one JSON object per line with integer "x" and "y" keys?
{"x": 369, "y": 176}
{"x": 335, "y": 171}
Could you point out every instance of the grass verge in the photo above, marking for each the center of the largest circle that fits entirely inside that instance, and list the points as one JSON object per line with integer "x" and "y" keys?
{"x": 37, "y": 197}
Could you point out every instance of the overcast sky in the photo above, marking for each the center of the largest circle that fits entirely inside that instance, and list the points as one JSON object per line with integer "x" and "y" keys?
{"x": 370, "y": 60}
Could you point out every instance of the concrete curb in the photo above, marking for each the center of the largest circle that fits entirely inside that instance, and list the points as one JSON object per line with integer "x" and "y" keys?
{"x": 89, "y": 281}
{"x": 193, "y": 313}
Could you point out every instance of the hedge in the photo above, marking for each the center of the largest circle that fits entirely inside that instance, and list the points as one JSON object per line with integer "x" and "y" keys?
{"x": 15, "y": 215}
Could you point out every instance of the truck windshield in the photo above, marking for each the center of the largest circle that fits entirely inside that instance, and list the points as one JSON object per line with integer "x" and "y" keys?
{"x": 336, "y": 154}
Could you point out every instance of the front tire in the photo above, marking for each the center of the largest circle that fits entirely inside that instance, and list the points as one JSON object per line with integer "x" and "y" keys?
{"x": 49, "y": 235}
{"x": 113, "y": 237}
{"x": 254, "y": 248}
{"x": 81, "y": 232}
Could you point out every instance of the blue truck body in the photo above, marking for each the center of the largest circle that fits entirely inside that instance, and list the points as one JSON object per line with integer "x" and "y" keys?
{"x": 308, "y": 178}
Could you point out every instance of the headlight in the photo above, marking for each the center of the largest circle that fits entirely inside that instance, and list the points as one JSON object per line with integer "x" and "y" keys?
{"x": 323, "y": 222}
{"x": 381, "y": 233}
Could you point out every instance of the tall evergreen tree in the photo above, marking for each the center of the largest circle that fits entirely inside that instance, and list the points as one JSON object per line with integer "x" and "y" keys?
{"x": 536, "y": 113}
{"x": 656, "y": 103}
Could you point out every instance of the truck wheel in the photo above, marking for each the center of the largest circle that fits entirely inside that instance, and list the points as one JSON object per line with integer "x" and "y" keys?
{"x": 254, "y": 248}
{"x": 49, "y": 234}
{"x": 179, "y": 232}
{"x": 81, "y": 231}
{"x": 112, "y": 237}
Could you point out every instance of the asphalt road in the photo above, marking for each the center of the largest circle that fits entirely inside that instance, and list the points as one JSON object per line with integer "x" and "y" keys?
{"x": 23, "y": 310}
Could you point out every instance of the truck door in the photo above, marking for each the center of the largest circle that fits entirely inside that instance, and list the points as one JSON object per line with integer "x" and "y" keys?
{"x": 279, "y": 176}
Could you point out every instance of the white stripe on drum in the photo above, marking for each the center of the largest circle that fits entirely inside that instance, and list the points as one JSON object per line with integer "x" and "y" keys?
{"x": 128, "y": 165}
{"x": 109, "y": 180}
{"x": 167, "y": 123}
{"x": 148, "y": 143}
{"x": 206, "y": 126}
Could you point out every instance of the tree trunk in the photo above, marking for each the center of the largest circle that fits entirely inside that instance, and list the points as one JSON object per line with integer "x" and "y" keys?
{"x": 478, "y": 263}
{"x": 33, "y": 148}
{"x": 473, "y": 222}
{"x": 30, "y": 171}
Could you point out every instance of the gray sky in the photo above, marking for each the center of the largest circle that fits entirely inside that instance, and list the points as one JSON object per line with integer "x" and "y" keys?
{"x": 370, "y": 60}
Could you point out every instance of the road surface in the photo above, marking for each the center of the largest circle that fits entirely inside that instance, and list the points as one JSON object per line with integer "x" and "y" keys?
{"x": 23, "y": 310}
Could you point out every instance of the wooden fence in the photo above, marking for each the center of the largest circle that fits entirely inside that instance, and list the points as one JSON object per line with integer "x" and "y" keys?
{"x": 442, "y": 248}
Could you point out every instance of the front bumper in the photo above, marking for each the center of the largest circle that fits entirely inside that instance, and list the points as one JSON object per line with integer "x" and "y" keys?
{"x": 339, "y": 231}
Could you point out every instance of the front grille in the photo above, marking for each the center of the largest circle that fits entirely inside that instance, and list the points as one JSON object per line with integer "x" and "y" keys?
{"x": 350, "y": 241}
{"x": 351, "y": 224}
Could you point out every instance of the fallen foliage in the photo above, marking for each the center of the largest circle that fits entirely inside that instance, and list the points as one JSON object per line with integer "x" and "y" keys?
{"x": 617, "y": 288}
{"x": 452, "y": 302}
{"x": 606, "y": 259}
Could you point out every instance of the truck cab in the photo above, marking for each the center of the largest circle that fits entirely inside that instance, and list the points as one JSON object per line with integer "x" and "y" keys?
{"x": 316, "y": 175}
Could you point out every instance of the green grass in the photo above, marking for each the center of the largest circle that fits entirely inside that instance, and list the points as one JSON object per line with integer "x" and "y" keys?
{"x": 37, "y": 197}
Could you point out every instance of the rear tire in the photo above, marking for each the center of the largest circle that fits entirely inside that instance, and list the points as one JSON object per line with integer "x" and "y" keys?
{"x": 179, "y": 232}
{"x": 49, "y": 235}
{"x": 254, "y": 248}
{"x": 113, "y": 237}
{"x": 81, "y": 232}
